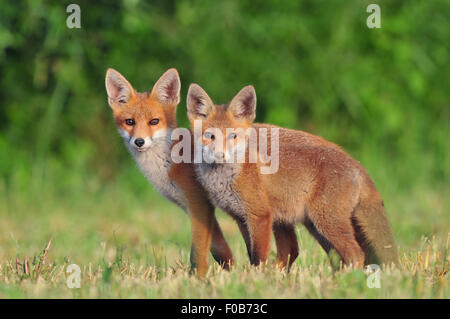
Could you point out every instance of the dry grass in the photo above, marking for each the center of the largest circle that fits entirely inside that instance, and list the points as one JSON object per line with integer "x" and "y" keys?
{"x": 421, "y": 274}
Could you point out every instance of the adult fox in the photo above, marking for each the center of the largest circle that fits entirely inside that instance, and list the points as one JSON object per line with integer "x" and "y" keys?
{"x": 317, "y": 184}
{"x": 145, "y": 122}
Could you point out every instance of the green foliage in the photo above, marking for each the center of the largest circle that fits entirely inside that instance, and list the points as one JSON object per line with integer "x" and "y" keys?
{"x": 315, "y": 66}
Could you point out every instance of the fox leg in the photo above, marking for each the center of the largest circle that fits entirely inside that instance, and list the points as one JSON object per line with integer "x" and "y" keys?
{"x": 202, "y": 223}
{"x": 287, "y": 244}
{"x": 324, "y": 243}
{"x": 336, "y": 231}
{"x": 259, "y": 226}
{"x": 201, "y": 215}
{"x": 219, "y": 247}
{"x": 245, "y": 234}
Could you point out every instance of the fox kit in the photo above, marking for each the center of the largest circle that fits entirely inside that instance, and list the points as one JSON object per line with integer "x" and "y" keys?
{"x": 145, "y": 122}
{"x": 316, "y": 184}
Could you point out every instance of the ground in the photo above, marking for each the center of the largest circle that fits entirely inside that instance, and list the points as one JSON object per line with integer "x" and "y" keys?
{"x": 129, "y": 242}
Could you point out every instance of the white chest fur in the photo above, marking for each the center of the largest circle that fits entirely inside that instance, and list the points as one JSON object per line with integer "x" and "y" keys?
{"x": 218, "y": 180}
{"x": 155, "y": 164}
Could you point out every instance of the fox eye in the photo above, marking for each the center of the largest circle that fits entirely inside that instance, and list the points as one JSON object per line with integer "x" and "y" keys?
{"x": 209, "y": 136}
{"x": 130, "y": 122}
{"x": 154, "y": 122}
{"x": 232, "y": 136}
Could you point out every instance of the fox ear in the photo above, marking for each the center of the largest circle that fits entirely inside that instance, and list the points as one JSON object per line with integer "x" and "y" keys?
{"x": 243, "y": 105}
{"x": 118, "y": 88}
{"x": 167, "y": 88}
{"x": 199, "y": 104}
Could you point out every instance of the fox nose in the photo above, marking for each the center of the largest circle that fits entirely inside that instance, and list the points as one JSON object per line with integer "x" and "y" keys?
{"x": 139, "y": 142}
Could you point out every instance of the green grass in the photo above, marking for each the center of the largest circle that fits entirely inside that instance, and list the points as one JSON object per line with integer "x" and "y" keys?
{"x": 131, "y": 243}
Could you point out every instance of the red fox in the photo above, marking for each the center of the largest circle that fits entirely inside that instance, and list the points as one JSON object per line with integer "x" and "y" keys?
{"x": 145, "y": 122}
{"x": 317, "y": 183}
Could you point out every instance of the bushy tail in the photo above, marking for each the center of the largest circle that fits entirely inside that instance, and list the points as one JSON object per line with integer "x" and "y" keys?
{"x": 374, "y": 233}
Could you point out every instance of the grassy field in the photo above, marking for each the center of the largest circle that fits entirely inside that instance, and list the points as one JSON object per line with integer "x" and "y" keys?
{"x": 131, "y": 243}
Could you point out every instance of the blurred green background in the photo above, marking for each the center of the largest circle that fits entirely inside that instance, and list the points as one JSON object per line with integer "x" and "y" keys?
{"x": 382, "y": 94}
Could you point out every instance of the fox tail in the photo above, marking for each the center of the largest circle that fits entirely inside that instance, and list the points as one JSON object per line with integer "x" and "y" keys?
{"x": 374, "y": 233}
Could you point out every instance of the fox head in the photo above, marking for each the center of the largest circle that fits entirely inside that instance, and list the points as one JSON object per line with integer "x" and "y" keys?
{"x": 143, "y": 119}
{"x": 223, "y": 127}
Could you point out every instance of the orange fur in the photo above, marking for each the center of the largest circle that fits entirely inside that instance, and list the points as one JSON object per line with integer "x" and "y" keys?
{"x": 317, "y": 184}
